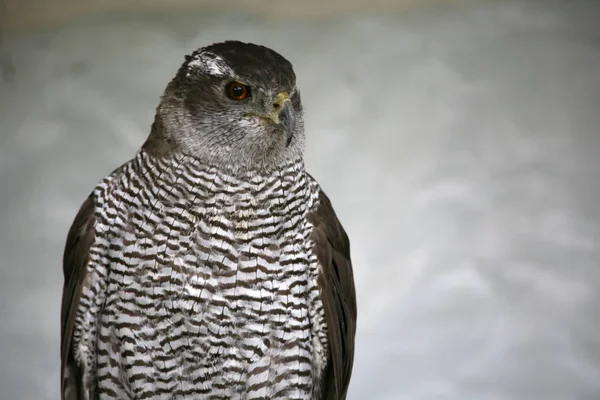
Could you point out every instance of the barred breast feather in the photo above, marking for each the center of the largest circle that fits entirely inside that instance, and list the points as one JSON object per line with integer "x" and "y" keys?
{"x": 183, "y": 281}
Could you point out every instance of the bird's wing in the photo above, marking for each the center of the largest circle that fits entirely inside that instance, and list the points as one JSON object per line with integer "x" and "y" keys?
{"x": 336, "y": 283}
{"x": 75, "y": 260}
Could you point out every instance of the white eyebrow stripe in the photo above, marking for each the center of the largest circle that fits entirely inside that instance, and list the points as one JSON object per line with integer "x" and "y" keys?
{"x": 211, "y": 64}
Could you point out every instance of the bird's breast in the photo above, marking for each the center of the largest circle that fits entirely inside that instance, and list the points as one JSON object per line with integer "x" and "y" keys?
{"x": 217, "y": 298}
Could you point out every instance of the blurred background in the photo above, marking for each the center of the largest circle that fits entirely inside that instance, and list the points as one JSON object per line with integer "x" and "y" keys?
{"x": 458, "y": 140}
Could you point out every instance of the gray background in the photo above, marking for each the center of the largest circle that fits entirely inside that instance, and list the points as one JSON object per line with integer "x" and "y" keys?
{"x": 460, "y": 145}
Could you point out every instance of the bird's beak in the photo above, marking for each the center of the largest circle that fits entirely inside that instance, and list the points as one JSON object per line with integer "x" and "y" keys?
{"x": 283, "y": 114}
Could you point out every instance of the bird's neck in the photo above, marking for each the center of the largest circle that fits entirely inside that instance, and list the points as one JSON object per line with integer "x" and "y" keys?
{"x": 184, "y": 180}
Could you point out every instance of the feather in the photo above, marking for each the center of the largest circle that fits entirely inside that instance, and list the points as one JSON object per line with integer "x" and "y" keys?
{"x": 75, "y": 260}
{"x": 336, "y": 283}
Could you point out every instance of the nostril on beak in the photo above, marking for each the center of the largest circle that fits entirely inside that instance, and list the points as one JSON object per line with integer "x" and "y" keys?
{"x": 276, "y": 105}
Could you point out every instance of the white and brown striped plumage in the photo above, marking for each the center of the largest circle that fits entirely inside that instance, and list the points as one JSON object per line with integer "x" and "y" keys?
{"x": 211, "y": 265}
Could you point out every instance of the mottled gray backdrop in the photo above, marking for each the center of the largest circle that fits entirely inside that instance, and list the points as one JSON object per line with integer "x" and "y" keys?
{"x": 460, "y": 146}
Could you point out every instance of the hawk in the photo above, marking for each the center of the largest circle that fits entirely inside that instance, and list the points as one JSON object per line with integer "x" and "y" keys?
{"x": 211, "y": 265}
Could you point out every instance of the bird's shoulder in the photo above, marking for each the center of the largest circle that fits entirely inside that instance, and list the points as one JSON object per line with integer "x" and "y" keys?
{"x": 76, "y": 257}
{"x": 338, "y": 295}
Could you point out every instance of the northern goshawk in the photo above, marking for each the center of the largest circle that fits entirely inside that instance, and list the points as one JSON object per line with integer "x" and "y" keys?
{"x": 211, "y": 265}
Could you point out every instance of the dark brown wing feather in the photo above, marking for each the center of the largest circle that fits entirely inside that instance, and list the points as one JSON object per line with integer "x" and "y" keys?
{"x": 75, "y": 260}
{"x": 338, "y": 295}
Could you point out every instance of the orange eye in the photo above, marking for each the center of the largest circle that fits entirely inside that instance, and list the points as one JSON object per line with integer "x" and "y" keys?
{"x": 237, "y": 91}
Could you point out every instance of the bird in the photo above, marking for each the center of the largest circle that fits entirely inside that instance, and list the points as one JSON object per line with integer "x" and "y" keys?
{"x": 211, "y": 265}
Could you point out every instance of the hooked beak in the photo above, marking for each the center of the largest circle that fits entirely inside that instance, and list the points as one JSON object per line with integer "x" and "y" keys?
{"x": 283, "y": 114}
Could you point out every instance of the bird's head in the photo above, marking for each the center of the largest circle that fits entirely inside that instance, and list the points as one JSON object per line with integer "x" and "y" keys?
{"x": 235, "y": 105}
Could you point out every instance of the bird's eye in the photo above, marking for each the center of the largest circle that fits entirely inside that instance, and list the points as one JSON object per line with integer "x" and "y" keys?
{"x": 237, "y": 91}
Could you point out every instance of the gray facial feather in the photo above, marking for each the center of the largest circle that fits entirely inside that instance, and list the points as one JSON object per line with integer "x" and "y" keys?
{"x": 196, "y": 117}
